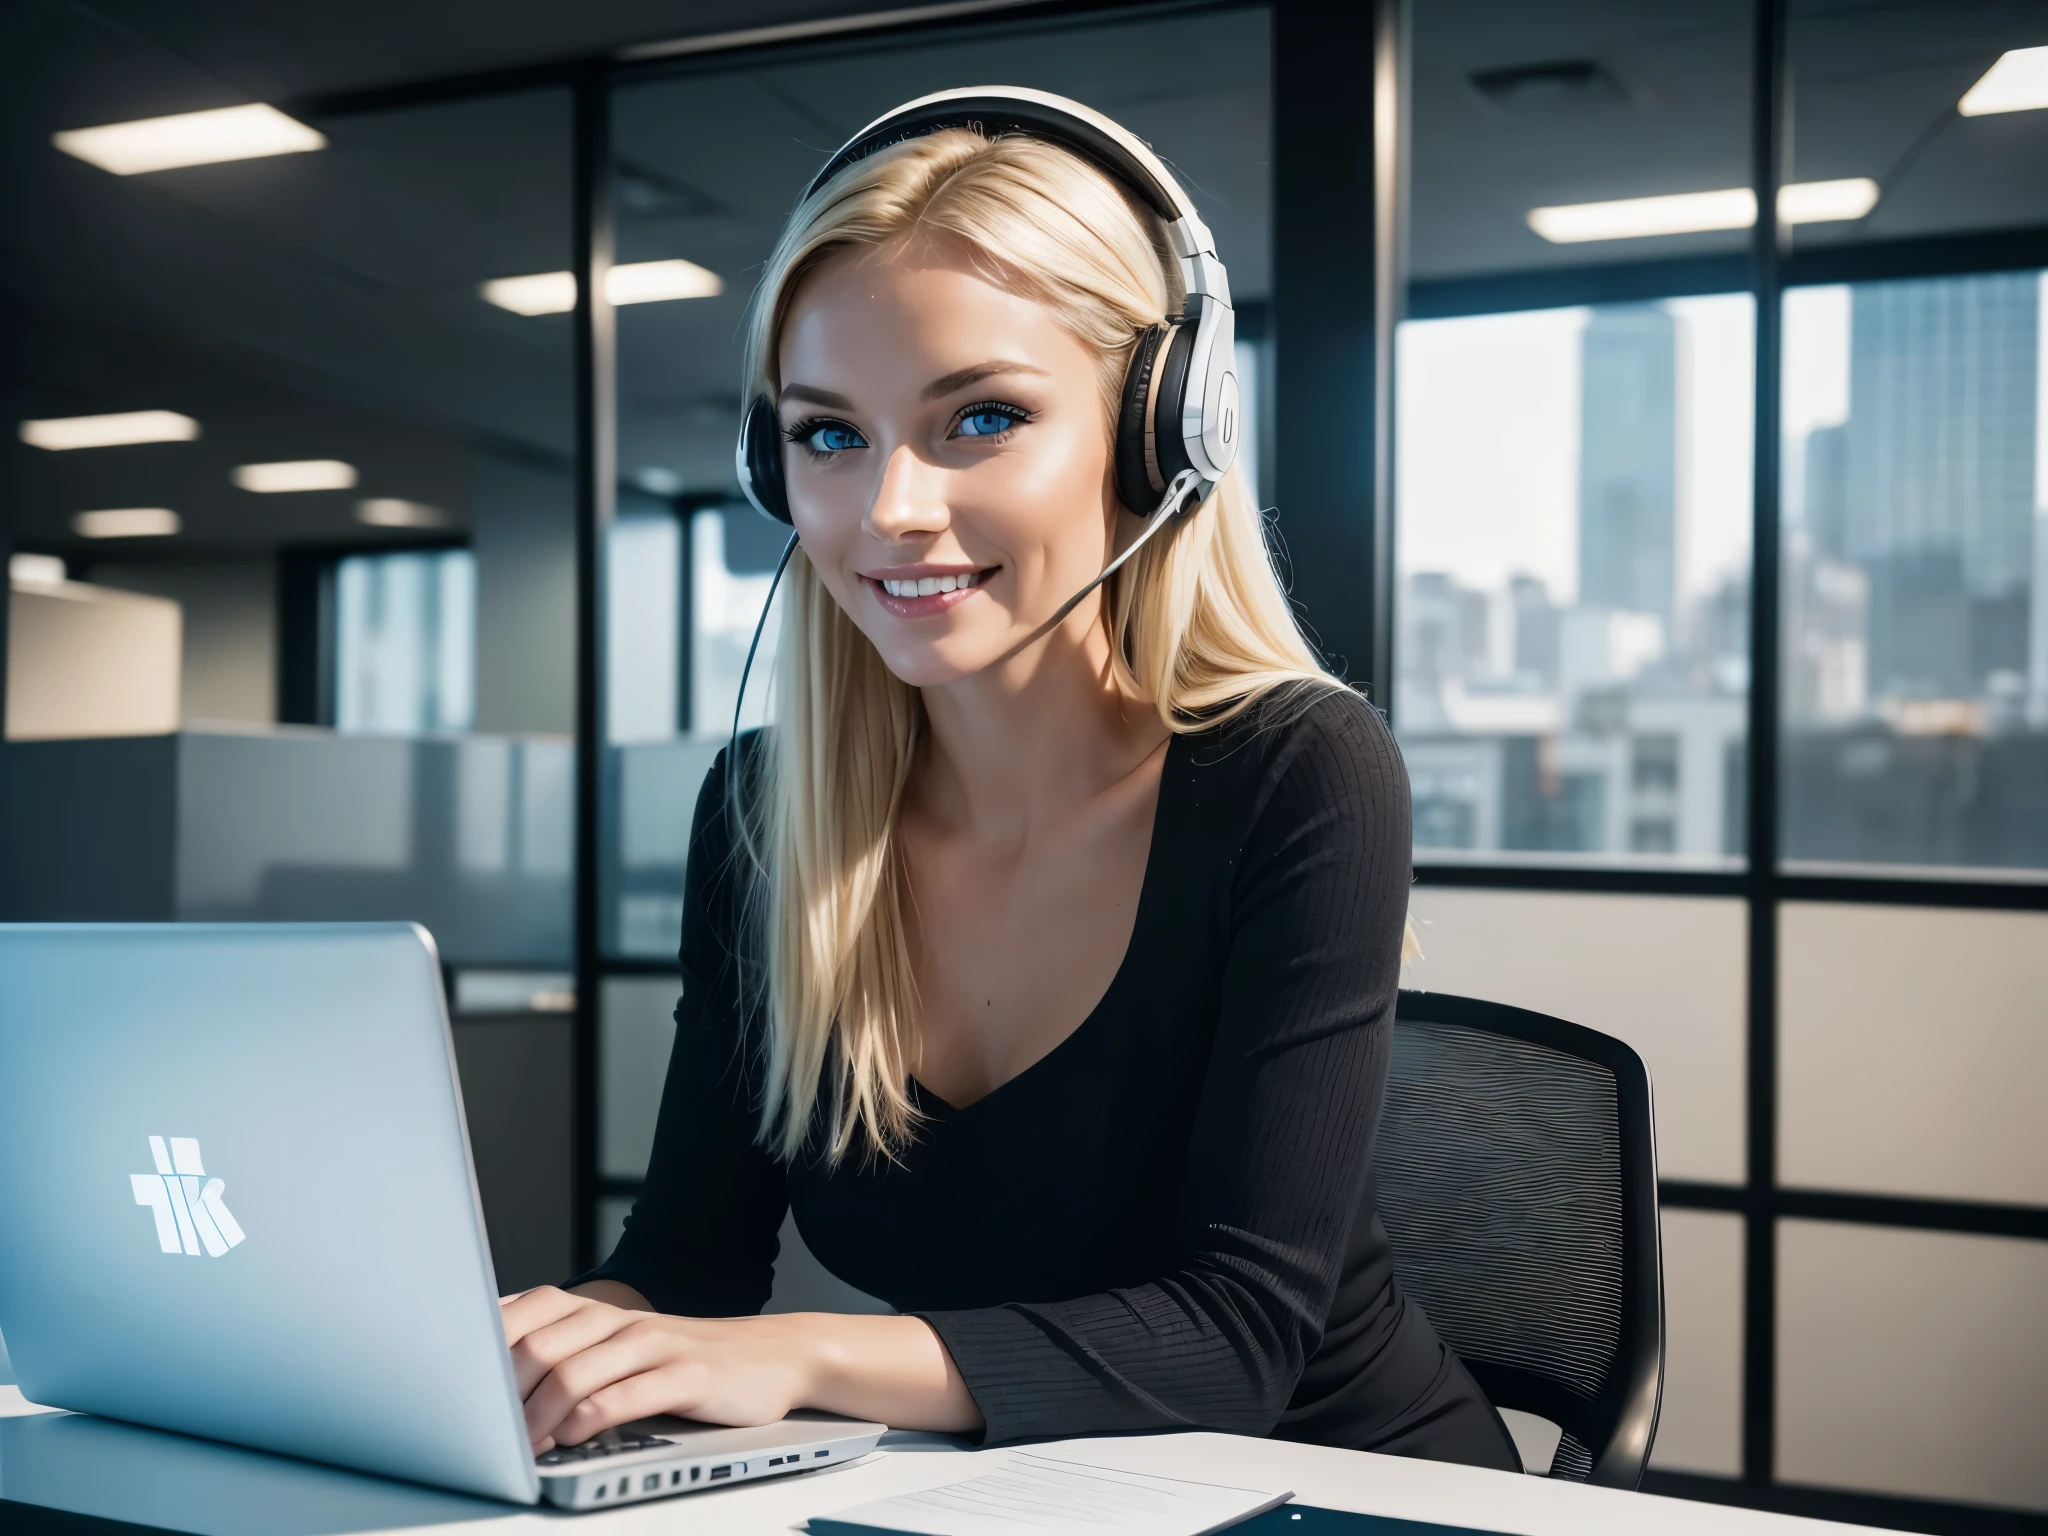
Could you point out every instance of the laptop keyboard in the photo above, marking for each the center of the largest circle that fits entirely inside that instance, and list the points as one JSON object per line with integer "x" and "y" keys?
{"x": 612, "y": 1442}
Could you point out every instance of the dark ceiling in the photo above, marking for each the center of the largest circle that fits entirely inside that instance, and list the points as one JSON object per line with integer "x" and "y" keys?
{"x": 325, "y": 305}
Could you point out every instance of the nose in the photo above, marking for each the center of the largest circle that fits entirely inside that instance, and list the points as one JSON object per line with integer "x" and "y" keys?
{"x": 909, "y": 499}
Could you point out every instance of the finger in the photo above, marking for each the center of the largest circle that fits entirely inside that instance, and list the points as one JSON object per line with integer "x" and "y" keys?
{"x": 536, "y": 1308}
{"x": 549, "y": 1345}
{"x": 638, "y": 1347}
{"x": 674, "y": 1388}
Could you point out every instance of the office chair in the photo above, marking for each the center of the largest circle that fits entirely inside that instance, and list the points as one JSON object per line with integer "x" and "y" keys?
{"x": 1518, "y": 1184}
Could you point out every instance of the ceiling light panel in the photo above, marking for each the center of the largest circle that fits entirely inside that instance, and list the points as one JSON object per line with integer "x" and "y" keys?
{"x": 633, "y": 282}
{"x": 392, "y": 512}
{"x": 296, "y": 475}
{"x": 2018, "y": 82}
{"x": 1687, "y": 213}
{"x": 35, "y": 571}
{"x": 190, "y": 138}
{"x": 66, "y": 432}
{"x": 126, "y": 523}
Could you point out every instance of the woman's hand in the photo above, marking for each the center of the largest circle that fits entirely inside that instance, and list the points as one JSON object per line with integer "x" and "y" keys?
{"x": 597, "y": 1357}
{"x": 584, "y": 1365}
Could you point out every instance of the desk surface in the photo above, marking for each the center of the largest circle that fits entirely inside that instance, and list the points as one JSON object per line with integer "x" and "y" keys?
{"x": 119, "y": 1472}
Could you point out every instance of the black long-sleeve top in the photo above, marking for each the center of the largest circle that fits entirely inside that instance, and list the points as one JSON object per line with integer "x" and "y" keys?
{"x": 1168, "y": 1221}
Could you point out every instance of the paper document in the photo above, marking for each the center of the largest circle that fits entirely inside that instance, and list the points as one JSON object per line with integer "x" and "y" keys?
{"x": 1043, "y": 1493}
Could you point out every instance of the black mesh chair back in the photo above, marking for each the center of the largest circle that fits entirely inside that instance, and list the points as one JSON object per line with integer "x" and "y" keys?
{"x": 1518, "y": 1184}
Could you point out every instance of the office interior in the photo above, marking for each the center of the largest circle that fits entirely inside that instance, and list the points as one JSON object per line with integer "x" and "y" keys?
{"x": 357, "y": 569}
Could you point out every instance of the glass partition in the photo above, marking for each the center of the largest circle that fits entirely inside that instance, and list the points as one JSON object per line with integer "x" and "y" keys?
{"x": 1916, "y": 527}
{"x": 1572, "y": 479}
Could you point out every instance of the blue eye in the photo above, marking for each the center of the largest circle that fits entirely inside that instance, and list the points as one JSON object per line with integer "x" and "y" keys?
{"x": 989, "y": 421}
{"x": 827, "y": 436}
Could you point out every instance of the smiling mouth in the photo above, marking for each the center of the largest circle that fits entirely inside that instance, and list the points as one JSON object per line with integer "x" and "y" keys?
{"x": 934, "y": 586}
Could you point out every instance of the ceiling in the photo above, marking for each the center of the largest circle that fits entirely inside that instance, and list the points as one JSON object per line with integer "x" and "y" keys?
{"x": 325, "y": 305}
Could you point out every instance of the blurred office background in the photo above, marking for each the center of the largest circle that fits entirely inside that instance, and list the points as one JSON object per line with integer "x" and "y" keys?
{"x": 357, "y": 569}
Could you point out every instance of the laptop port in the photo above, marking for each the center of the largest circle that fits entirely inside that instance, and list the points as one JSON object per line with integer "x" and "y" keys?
{"x": 724, "y": 1471}
{"x": 695, "y": 1473}
{"x": 650, "y": 1482}
{"x": 675, "y": 1478}
{"x": 821, "y": 1455}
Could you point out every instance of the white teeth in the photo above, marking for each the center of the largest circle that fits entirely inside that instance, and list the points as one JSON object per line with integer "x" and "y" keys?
{"x": 931, "y": 586}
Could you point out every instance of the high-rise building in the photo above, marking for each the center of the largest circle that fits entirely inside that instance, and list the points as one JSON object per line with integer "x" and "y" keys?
{"x": 1628, "y": 461}
{"x": 1938, "y": 501}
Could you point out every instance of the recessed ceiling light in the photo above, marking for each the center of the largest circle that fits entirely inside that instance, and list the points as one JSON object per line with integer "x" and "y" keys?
{"x": 296, "y": 475}
{"x": 35, "y": 571}
{"x": 391, "y": 512}
{"x": 65, "y": 432}
{"x": 1825, "y": 202}
{"x": 189, "y": 138}
{"x": 126, "y": 523}
{"x": 1683, "y": 213}
{"x": 2018, "y": 82}
{"x": 636, "y": 282}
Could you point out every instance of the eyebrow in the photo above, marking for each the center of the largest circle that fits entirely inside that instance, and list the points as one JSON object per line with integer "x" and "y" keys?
{"x": 816, "y": 396}
{"x": 960, "y": 379}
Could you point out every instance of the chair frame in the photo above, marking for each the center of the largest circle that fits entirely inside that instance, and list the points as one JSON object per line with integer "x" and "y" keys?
{"x": 1621, "y": 1423}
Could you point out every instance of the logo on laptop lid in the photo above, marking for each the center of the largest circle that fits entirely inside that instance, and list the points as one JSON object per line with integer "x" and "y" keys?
{"x": 190, "y": 1213}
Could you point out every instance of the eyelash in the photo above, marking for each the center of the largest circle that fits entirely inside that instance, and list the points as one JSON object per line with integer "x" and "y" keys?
{"x": 802, "y": 431}
{"x": 1019, "y": 417}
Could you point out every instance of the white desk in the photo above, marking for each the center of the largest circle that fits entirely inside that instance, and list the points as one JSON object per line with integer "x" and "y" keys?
{"x": 115, "y": 1471}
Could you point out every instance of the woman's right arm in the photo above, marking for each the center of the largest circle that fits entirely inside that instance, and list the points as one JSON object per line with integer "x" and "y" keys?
{"x": 701, "y": 1239}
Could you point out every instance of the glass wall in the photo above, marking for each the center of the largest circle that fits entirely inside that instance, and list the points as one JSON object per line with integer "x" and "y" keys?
{"x": 1572, "y": 657}
{"x": 327, "y": 539}
{"x": 1572, "y": 480}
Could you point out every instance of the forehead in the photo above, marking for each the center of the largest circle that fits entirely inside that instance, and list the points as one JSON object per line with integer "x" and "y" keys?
{"x": 914, "y": 303}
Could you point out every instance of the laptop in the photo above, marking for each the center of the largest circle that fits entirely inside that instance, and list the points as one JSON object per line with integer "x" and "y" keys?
{"x": 239, "y": 1203}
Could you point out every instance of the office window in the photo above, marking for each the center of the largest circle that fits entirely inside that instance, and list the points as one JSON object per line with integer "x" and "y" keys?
{"x": 1915, "y": 658}
{"x": 1572, "y": 550}
{"x": 733, "y": 551}
{"x": 405, "y": 643}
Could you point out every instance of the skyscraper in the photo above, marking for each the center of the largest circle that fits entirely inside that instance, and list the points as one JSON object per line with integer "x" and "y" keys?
{"x": 1628, "y": 461}
{"x": 1939, "y": 497}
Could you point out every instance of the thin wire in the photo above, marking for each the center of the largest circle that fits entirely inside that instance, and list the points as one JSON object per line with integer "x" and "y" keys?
{"x": 732, "y": 745}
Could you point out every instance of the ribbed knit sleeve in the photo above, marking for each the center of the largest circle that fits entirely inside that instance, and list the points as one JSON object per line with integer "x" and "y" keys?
{"x": 701, "y": 1239}
{"x": 1278, "y": 1162}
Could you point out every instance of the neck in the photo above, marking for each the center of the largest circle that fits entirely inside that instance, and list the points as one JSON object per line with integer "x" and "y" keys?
{"x": 1026, "y": 739}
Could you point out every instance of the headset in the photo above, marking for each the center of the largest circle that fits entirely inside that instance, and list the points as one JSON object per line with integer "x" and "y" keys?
{"x": 1179, "y": 419}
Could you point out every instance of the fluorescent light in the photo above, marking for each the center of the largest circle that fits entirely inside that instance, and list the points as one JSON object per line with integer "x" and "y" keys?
{"x": 1631, "y": 217}
{"x": 35, "y": 571}
{"x": 126, "y": 523}
{"x": 636, "y": 282}
{"x": 1824, "y": 202}
{"x": 189, "y": 138}
{"x": 391, "y": 512}
{"x": 64, "y": 432}
{"x": 296, "y": 475}
{"x": 2018, "y": 82}
{"x": 649, "y": 282}
{"x": 1682, "y": 213}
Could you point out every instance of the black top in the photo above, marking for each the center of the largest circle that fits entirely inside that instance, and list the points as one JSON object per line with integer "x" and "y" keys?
{"x": 1168, "y": 1221}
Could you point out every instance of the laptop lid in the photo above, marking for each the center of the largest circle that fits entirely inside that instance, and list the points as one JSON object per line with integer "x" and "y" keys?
{"x": 239, "y": 1199}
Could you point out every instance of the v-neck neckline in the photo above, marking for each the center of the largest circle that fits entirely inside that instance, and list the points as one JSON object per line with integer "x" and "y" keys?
{"x": 1147, "y": 899}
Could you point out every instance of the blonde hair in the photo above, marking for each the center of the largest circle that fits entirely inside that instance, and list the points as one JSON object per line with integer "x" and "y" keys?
{"x": 1199, "y": 625}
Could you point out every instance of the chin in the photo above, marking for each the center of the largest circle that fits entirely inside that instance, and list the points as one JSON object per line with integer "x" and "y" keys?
{"x": 935, "y": 664}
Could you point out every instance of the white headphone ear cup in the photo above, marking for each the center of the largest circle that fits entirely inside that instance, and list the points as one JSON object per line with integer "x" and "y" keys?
{"x": 1211, "y": 415}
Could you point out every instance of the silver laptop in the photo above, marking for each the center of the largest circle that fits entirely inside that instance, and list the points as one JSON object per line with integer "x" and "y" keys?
{"x": 239, "y": 1203}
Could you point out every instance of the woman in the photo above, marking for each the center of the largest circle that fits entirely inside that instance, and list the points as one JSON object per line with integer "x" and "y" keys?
{"x": 1043, "y": 965}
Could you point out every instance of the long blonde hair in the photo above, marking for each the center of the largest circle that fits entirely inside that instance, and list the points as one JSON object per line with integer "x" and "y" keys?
{"x": 1199, "y": 625}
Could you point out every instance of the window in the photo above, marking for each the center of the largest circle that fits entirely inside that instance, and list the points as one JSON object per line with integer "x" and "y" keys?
{"x": 405, "y": 643}
{"x": 1915, "y": 659}
{"x": 1572, "y": 534}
